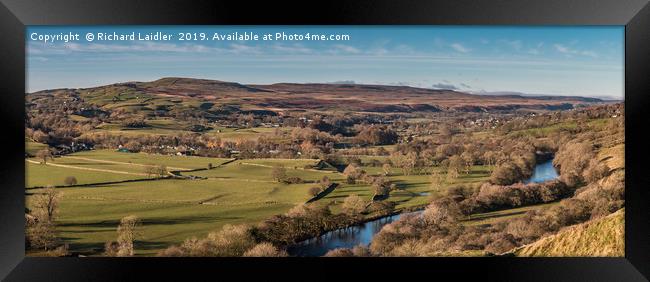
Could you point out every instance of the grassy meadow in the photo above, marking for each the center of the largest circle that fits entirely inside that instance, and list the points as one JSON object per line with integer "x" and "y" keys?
{"x": 172, "y": 210}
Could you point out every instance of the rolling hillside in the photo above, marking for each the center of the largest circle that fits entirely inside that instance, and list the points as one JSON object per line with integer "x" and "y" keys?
{"x": 604, "y": 237}
{"x": 214, "y": 95}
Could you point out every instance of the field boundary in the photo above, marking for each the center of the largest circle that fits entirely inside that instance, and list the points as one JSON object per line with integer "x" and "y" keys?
{"x": 87, "y": 168}
{"x": 124, "y": 163}
{"x": 104, "y": 183}
{"x": 297, "y": 168}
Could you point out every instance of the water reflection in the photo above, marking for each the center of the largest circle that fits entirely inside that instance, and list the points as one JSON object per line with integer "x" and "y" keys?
{"x": 341, "y": 238}
{"x": 543, "y": 172}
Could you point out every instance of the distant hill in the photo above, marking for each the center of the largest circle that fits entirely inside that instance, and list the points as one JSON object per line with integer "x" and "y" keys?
{"x": 311, "y": 96}
{"x": 545, "y": 96}
{"x": 604, "y": 237}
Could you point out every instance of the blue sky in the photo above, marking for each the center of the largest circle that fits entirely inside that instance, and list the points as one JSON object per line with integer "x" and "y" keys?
{"x": 584, "y": 61}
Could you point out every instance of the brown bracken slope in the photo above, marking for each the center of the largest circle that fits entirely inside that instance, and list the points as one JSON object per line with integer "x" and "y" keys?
{"x": 327, "y": 97}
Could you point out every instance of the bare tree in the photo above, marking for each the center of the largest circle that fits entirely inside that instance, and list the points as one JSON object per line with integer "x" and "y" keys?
{"x": 161, "y": 171}
{"x": 46, "y": 204}
{"x": 127, "y": 232}
{"x": 279, "y": 173}
{"x": 325, "y": 182}
{"x": 386, "y": 168}
{"x": 150, "y": 170}
{"x": 351, "y": 171}
{"x": 41, "y": 231}
{"x": 354, "y": 205}
{"x": 44, "y": 154}
{"x": 452, "y": 175}
{"x": 41, "y": 234}
{"x": 381, "y": 186}
{"x": 436, "y": 180}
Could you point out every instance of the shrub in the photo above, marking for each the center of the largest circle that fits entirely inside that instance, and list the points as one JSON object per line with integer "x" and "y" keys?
{"x": 354, "y": 205}
{"x": 361, "y": 251}
{"x": 442, "y": 212}
{"x": 41, "y": 235}
{"x": 325, "y": 182}
{"x": 70, "y": 180}
{"x": 595, "y": 170}
{"x": 230, "y": 241}
{"x": 111, "y": 248}
{"x": 381, "y": 186}
{"x": 292, "y": 180}
{"x": 339, "y": 252}
{"x": 572, "y": 159}
{"x": 505, "y": 174}
{"x": 381, "y": 207}
{"x": 265, "y": 250}
{"x": 313, "y": 191}
{"x": 502, "y": 243}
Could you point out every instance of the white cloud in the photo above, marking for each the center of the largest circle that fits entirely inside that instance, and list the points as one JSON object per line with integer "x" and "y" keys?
{"x": 515, "y": 44}
{"x": 404, "y": 49}
{"x": 340, "y": 48}
{"x": 378, "y": 51}
{"x": 460, "y": 48}
{"x": 444, "y": 86}
{"x": 243, "y": 48}
{"x": 537, "y": 49}
{"x": 295, "y": 48}
{"x": 561, "y": 48}
{"x": 589, "y": 53}
{"x": 570, "y": 51}
{"x": 343, "y": 82}
{"x": 40, "y": 59}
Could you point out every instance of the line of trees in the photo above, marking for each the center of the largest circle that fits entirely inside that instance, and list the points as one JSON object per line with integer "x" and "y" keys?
{"x": 266, "y": 238}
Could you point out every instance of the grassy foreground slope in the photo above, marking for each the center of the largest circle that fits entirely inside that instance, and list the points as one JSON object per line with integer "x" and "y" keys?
{"x": 603, "y": 237}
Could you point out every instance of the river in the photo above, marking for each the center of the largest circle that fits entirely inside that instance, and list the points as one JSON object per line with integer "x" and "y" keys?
{"x": 342, "y": 238}
{"x": 544, "y": 171}
{"x": 362, "y": 234}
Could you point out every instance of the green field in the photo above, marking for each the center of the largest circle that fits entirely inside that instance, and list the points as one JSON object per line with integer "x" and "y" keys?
{"x": 171, "y": 127}
{"x": 32, "y": 147}
{"x": 183, "y": 162}
{"x": 492, "y": 217}
{"x": 172, "y": 210}
{"x": 43, "y": 175}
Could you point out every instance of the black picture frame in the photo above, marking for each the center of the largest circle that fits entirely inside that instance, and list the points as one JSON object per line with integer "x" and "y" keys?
{"x": 15, "y": 15}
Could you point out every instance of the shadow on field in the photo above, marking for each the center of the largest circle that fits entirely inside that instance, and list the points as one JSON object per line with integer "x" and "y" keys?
{"x": 324, "y": 193}
{"x": 480, "y": 171}
{"x": 150, "y": 245}
{"x": 97, "y": 248}
{"x": 402, "y": 184}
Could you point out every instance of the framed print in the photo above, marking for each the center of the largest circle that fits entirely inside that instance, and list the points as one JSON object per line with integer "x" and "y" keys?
{"x": 499, "y": 140}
